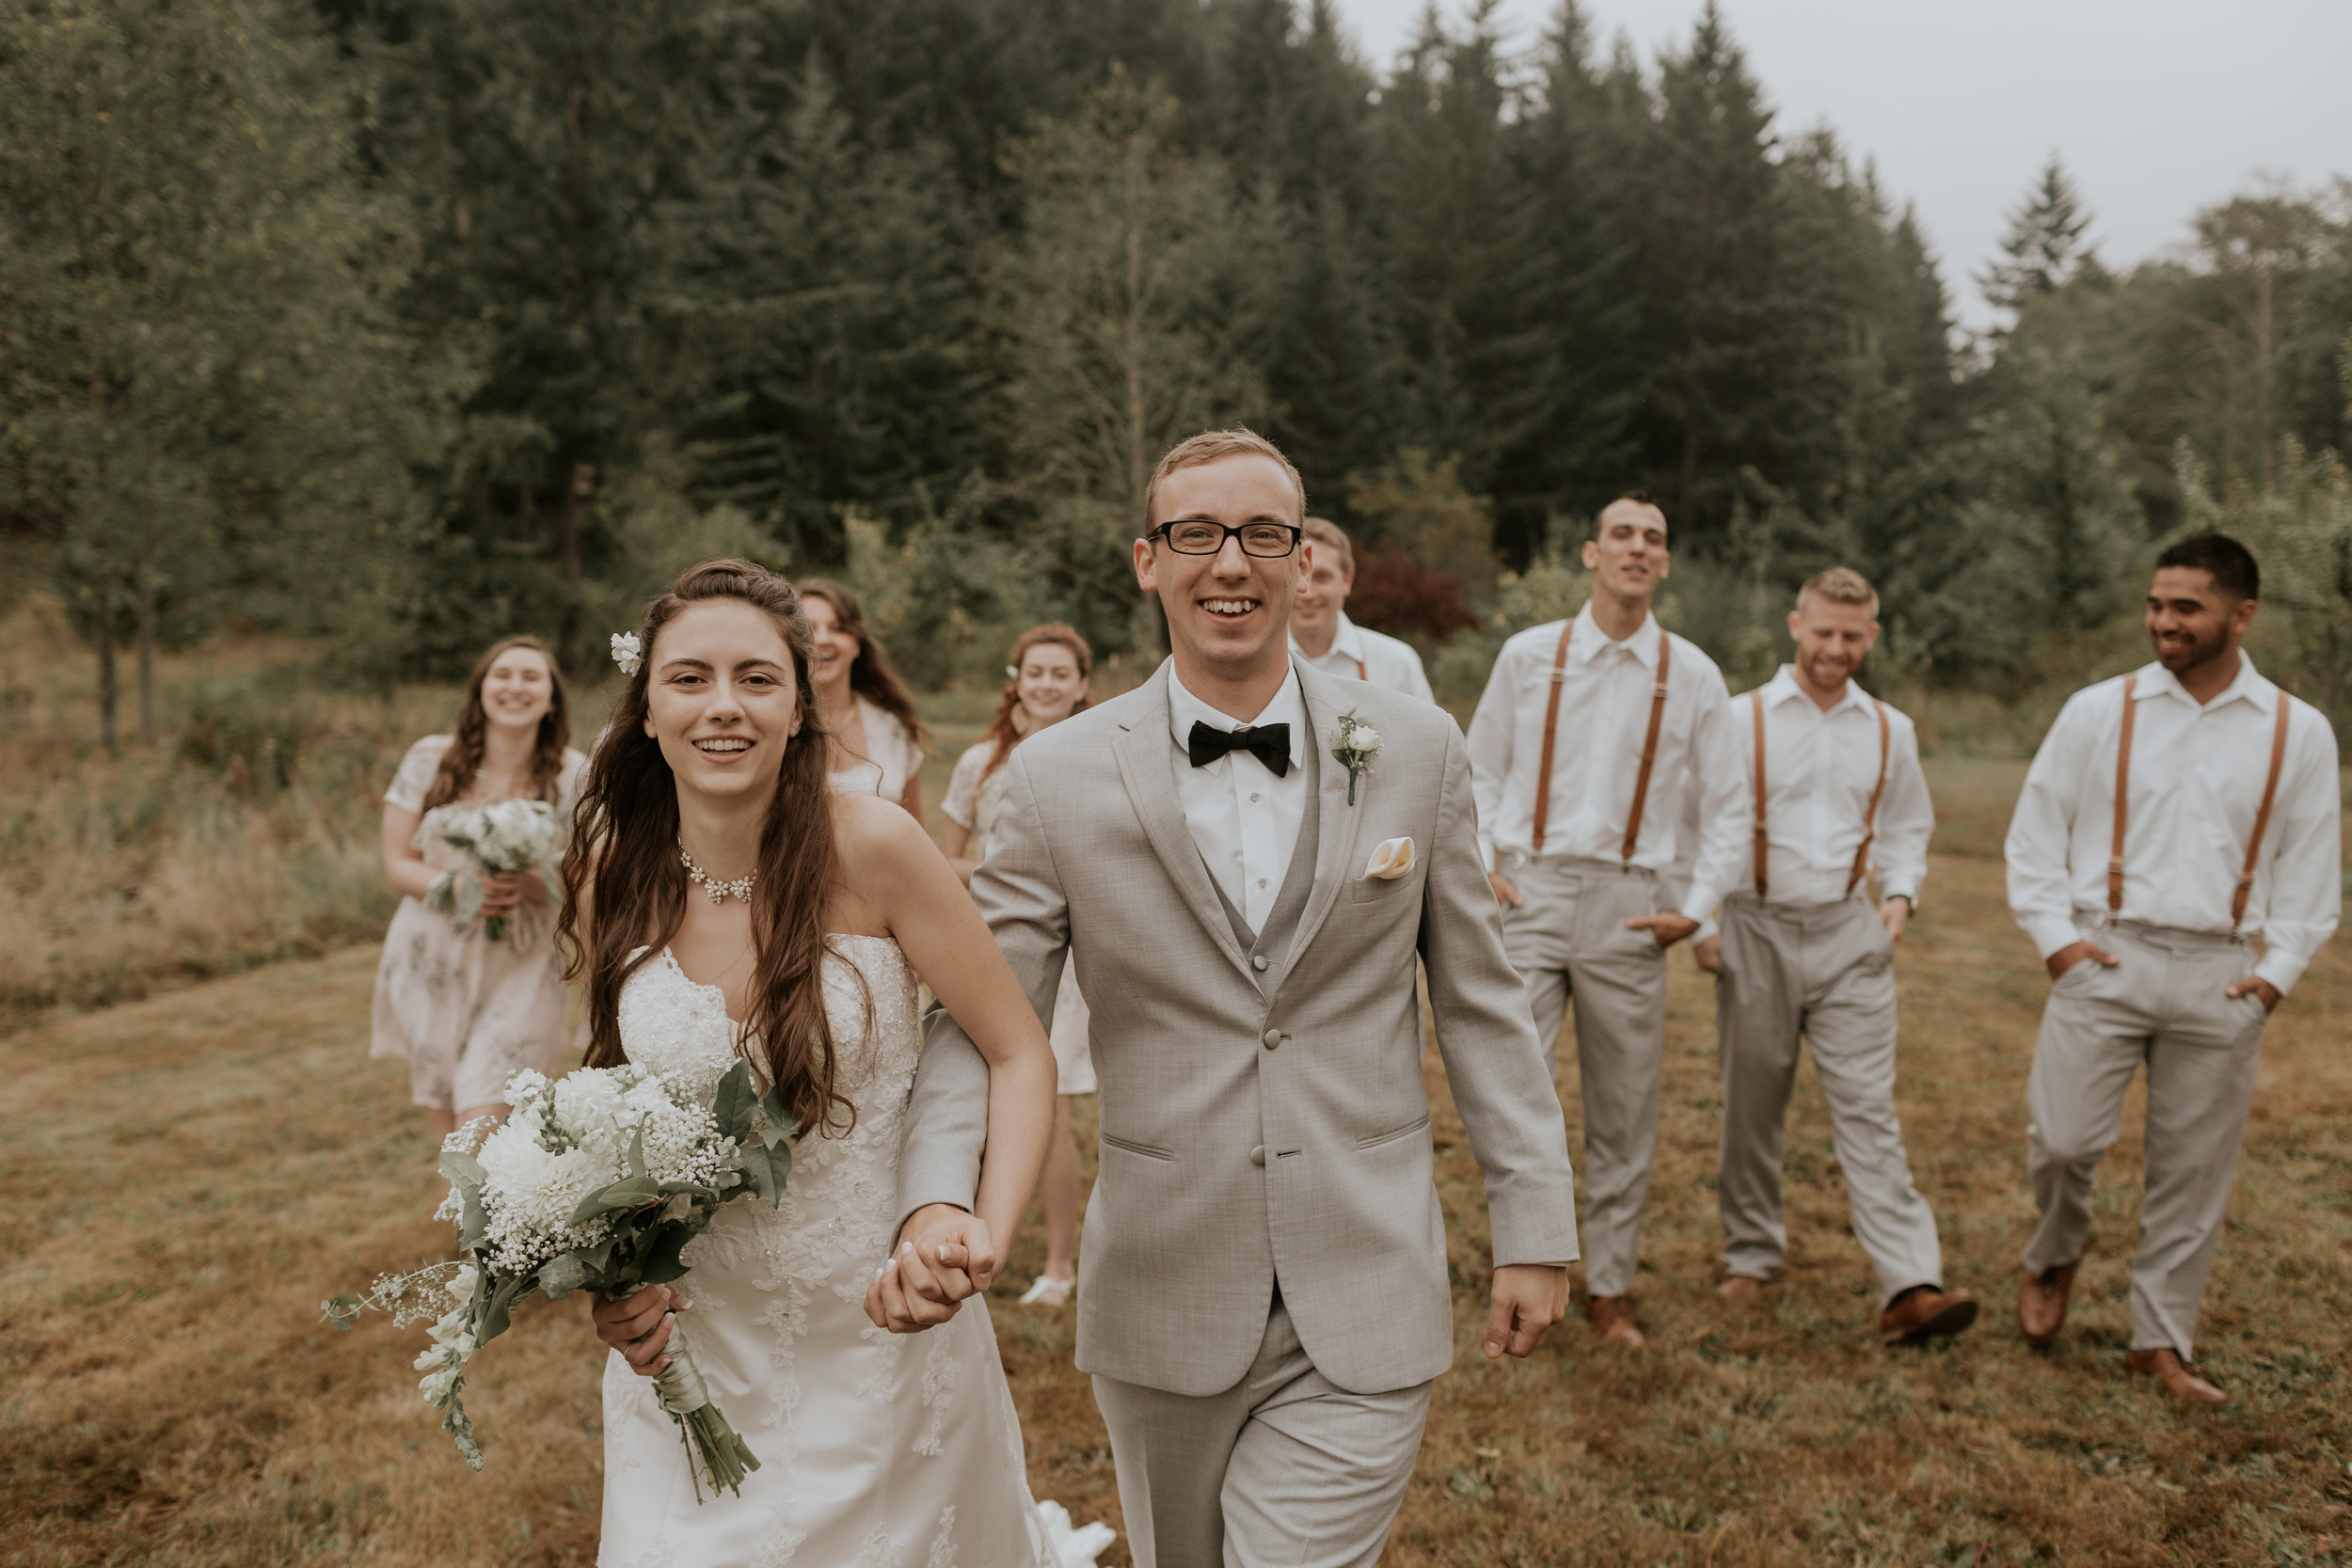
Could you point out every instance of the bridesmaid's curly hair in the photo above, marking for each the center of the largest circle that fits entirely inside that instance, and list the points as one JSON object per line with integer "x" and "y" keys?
{"x": 623, "y": 868}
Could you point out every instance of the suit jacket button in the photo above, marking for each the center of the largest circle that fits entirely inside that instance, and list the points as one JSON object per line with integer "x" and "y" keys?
{"x": 1257, "y": 1155}
{"x": 1273, "y": 1038}
{"x": 1257, "y": 960}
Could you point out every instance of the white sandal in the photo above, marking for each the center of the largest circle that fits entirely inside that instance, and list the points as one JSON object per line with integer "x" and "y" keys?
{"x": 1049, "y": 1291}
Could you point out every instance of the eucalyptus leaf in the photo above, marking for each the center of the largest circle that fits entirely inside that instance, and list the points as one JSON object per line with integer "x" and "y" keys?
{"x": 560, "y": 1277}
{"x": 733, "y": 1107}
{"x": 663, "y": 1260}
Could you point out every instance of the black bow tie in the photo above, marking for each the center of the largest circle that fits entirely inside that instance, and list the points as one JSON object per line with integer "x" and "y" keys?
{"x": 1269, "y": 743}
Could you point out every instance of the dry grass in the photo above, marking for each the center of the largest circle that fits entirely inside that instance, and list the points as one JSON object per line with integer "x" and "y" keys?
{"x": 190, "y": 1173}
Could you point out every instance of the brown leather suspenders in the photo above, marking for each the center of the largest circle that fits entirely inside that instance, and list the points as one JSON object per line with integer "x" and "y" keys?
{"x": 2123, "y": 799}
{"x": 1870, "y": 814}
{"x": 2262, "y": 814}
{"x": 1649, "y": 752}
{"x": 1361, "y": 673}
{"x": 1551, "y": 727}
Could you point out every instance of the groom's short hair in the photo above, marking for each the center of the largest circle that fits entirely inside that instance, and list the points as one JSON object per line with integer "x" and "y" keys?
{"x": 1215, "y": 446}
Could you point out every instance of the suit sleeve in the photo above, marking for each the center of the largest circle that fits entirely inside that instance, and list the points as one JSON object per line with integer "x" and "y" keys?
{"x": 1501, "y": 1081}
{"x": 1020, "y": 899}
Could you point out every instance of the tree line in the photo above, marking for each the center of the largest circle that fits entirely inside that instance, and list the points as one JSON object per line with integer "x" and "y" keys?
{"x": 407, "y": 322}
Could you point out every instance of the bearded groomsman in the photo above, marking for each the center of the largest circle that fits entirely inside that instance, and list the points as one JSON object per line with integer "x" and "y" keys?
{"x": 2170, "y": 815}
{"x": 1833, "y": 777}
{"x": 1324, "y": 636}
{"x": 1593, "y": 739}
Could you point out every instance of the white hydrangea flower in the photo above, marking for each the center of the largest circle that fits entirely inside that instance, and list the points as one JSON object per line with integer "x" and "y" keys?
{"x": 625, "y": 652}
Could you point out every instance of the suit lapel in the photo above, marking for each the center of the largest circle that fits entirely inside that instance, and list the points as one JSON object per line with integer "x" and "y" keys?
{"x": 1144, "y": 753}
{"x": 1336, "y": 850}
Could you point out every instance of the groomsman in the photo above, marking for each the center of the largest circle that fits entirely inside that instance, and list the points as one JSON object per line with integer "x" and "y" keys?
{"x": 1596, "y": 738}
{"x": 2170, "y": 815}
{"x": 1324, "y": 636}
{"x": 1833, "y": 777}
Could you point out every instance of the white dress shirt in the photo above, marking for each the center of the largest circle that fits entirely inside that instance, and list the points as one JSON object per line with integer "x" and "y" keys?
{"x": 1244, "y": 820}
{"x": 1357, "y": 654}
{"x": 1596, "y": 756}
{"x": 2196, "y": 775}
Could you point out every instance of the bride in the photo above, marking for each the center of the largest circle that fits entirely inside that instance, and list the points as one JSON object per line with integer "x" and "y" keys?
{"x": 722, "y": 902}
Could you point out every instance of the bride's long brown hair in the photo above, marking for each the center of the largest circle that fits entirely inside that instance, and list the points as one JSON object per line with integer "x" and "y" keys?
{"x": 623, "y": 857}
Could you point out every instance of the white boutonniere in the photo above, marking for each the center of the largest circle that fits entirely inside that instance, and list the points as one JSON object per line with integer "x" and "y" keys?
{"x": 625, "y": 650}
{"x": 1357, "y": 750}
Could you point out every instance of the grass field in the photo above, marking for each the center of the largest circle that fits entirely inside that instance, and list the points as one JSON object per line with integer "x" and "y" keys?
{"x": 191, "y": 1173}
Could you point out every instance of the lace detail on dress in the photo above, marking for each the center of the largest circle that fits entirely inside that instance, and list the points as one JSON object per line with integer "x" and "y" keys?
{"x": 840, "y": 1204}
{"x": 939, "y": 1372}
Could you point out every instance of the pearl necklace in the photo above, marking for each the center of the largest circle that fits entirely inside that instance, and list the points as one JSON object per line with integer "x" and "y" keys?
{"x": 739, "y": 889}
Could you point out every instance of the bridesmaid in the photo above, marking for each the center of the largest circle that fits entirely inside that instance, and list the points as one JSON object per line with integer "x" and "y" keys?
{"x": 863, "y": 705}
{"x": 465, "y": 1011}
{"x": 1047, "y": 673}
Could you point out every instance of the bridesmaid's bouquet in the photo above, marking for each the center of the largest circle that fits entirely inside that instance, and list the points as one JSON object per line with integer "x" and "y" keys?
{"x": 596, "y": 1182}
{"x": 503, "y": 837}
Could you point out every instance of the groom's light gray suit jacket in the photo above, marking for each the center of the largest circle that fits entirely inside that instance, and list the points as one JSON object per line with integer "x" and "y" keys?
{"x": 1265, "y": 1121}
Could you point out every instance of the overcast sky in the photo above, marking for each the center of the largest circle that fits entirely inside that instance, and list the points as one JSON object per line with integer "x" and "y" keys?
{"x": 2159, "y": 106}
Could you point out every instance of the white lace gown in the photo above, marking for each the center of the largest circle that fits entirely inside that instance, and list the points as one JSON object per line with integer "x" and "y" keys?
{"x": 875, "y": 1448}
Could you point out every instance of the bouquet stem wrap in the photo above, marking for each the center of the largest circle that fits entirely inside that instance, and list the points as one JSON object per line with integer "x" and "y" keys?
{"x": 723, "y": 1457}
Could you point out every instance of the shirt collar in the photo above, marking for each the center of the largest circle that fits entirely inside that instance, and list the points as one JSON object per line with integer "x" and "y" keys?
{"x": 2250, "y": 686}
{"x": 1346, "y": 641}
{"x": 1588, "y": 642}
{"x": 1783, "y": 688}
{"x": 1185, "y": 710}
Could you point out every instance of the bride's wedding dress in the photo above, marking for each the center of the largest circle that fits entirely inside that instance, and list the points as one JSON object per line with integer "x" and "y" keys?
{"x": 874, "y": 1448}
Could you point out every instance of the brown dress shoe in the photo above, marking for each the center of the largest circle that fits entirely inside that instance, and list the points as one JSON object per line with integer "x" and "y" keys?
{"x": 1613, "y": 1317}
{"x": 1924, "y": 1312}
{"x": 2181, "y": 1380}
{"x": 2041, "y": 1304}
{"x": 1739, "y": 1287}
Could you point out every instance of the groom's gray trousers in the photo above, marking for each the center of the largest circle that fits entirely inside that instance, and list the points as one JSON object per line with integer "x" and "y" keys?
{"x": 1285, "y": 1468}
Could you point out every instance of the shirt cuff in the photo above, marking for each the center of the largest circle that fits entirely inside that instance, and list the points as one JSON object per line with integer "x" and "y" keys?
{"x": 2282, "y": 969}
{"x": 2051, "y": 932}
{"x": 1898, "y": 890}
{"x": 1486, "y": 853}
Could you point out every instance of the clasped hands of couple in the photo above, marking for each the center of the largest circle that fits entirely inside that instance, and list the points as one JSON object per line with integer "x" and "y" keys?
{"x": 945, "y": 1253}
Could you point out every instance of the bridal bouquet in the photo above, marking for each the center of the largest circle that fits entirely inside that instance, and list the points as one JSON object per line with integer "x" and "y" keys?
{"x": 596, "y": 1181}
{"x": 501, "y": 837}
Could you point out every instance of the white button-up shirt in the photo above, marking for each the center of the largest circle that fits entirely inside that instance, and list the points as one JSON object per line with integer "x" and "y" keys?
{"x": 1357, "y": 654}
{"x": 1820, "y": 768}
{"x": 1244, "y": 820}
{"x": 1596, "y": 756}
{"x": 2196, "y": 775}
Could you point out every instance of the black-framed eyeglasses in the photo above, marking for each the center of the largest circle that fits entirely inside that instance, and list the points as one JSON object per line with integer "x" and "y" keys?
{"x": 1200, "y": 536}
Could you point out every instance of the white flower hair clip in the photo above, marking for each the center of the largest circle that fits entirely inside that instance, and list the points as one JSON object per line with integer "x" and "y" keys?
{"x": 1013, "y": 672}
{"x": 625, "y": 652}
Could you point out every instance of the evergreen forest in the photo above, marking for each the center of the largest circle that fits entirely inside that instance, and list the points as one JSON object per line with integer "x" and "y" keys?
{"x": 405, "y": 323}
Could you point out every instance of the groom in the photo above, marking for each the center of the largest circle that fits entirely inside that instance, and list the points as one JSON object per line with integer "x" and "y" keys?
{"x": 1263, "y": 1293}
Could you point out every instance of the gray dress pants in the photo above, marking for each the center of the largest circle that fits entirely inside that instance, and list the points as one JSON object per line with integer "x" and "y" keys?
{"x": 1285, "y": 1469}
{"x": 1824, "y": 972}
{"x": 2166, "y": 1004}
{"x": 1568, "y": 940}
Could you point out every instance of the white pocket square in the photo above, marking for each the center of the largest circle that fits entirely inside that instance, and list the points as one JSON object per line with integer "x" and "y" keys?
{"x": 1393, "y": 859}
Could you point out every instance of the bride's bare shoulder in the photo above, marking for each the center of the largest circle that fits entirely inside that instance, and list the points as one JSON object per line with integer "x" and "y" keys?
{"x": 873, "y": 833}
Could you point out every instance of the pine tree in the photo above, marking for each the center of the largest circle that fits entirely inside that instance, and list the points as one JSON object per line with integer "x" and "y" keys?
{"x": 202, "y": 378}
{"x": 2045, "y": 247}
